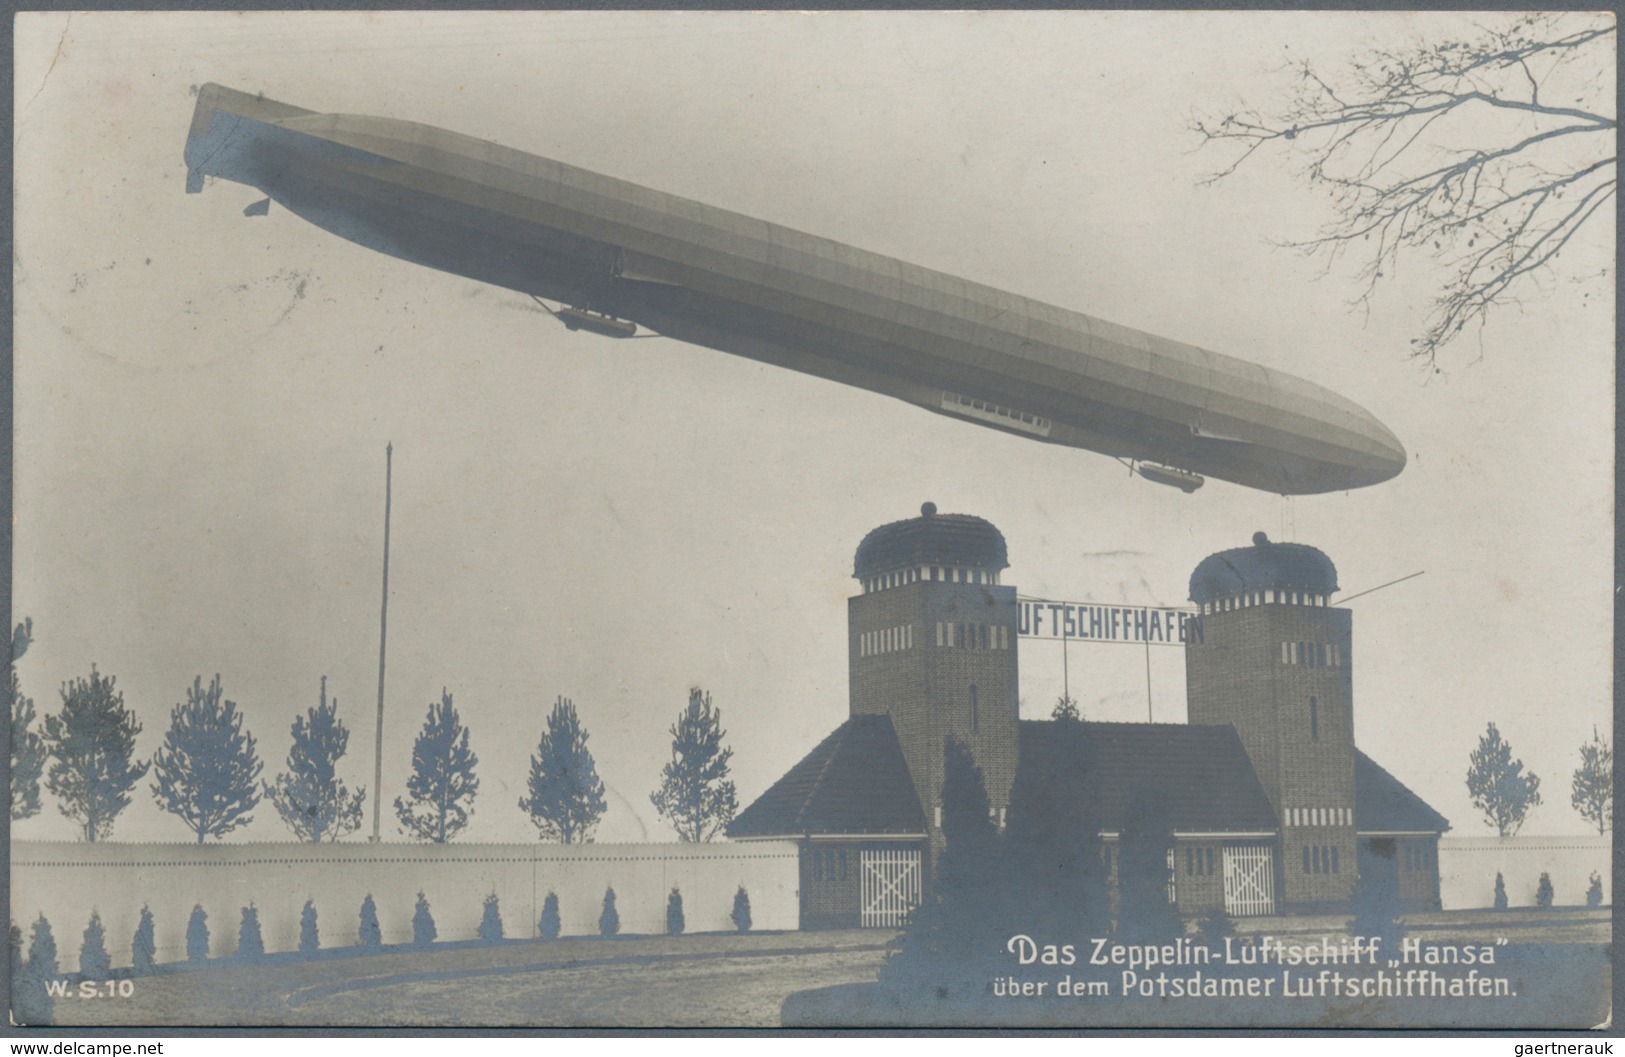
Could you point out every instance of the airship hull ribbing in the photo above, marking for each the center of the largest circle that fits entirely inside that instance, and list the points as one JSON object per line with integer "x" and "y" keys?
{"x": 716, "y": 278}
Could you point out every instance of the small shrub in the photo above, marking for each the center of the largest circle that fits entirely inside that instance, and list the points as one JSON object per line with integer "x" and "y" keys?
{"x": 741, "y": 910}
{"x": 548, "y": 927}
{"x": 1543, "y": 891}
{"x": 94, "y": 964}
{"x": 1500, "y": 891}
{"x": 1217, "y": 926}
{"x": 423, "y": 930}
{"x": 16, "y": 941}
{"x": 30, "y": 1001}
{"x": 609, "y": 919}
{"x": 491, "y": 920}
{"x": 371, "y": 935}
{"x": 42, "y": 950}
{"x": 250, "y": 944}
{"x": 674, "y": 913}
{"x": 1594, "y": 893}
{"x": 310, "y": 937}
{"x": 144, "y": 947}
{"x": 197, "y": 934}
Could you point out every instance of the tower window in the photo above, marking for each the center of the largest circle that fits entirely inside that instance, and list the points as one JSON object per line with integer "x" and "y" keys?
{"x": 974, "y": 718}
{"x": 1314, "y": 720}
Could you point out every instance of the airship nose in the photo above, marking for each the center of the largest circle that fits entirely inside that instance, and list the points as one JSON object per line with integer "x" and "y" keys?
{"x": 1393, "y": 449}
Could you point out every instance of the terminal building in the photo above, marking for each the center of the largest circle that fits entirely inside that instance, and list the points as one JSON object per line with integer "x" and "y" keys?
{"x": 1273, "y": 809}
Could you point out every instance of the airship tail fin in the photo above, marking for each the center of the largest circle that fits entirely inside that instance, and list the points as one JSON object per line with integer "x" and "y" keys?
{"x": 216, "y": 98}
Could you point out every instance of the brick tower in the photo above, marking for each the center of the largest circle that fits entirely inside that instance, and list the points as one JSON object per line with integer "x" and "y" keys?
{"x": 932, "y": 641}
{"x": 1273, "y": 662}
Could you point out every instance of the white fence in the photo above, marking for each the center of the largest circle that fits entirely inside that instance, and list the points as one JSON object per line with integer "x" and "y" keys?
{"x": 66, "y": 881}
{"x": 1468, "y": 865}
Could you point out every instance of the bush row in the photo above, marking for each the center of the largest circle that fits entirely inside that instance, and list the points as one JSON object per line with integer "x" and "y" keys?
{"x": 95, "y": 964}
{"x": 1545, "y": 893}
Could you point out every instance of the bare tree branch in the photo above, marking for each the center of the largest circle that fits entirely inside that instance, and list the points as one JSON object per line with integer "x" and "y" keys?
{"x": 1488, "y": 154}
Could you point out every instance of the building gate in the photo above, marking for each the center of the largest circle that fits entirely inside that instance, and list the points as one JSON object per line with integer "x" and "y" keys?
{"x": 891, "y": 886}
{"x": 1249, "y": 881}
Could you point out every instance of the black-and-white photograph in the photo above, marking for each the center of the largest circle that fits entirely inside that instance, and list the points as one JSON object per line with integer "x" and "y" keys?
{"x": 860, "y": 519}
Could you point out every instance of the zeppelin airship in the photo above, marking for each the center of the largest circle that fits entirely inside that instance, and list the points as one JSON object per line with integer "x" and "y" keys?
{"x": 616, "y": 257}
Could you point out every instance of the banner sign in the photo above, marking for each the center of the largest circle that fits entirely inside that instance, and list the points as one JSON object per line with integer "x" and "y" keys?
{"x": 1088, "y": 622}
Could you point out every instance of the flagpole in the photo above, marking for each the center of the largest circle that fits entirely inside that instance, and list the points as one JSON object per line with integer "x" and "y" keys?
{"x": 383, "y": 637}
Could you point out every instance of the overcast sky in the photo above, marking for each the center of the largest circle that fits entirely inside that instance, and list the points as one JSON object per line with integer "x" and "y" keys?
{"x": 203, "y": 398}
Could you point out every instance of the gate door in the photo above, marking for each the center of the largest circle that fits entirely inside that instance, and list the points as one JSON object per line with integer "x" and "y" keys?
{"x": 1249, "y": 881}
{"x": 891, "y": 887}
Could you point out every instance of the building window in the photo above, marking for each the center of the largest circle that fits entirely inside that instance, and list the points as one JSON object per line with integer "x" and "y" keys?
{"x": 1335, "y": 868}
{"x": 1306, "y": 858}
{"x": 973, "y": 708}
{"x": 843, "y": 864}
{"x": 1314, "y": 720}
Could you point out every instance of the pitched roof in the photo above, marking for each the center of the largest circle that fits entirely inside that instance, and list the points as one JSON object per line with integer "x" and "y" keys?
{"x": 1382, "y": 803}
{"x": 1202, "y": 772}
{"x": 855, "y": 781}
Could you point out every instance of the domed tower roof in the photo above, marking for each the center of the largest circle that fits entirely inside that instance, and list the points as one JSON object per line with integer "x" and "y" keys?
{"x": 1262, "y": 566}
{"x": 931, "y": 539}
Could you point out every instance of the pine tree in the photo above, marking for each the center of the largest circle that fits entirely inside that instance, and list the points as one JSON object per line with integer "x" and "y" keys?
{"x": 490, "y": 930}
{"x": 31, "y": 1001}
{"x": 42, "y": 951}
{"x": 94, "y": 964}
{"x": 207, "y": 770}
{"x": 674, "y": 913}
{"x": 250, "y": 944}
{"x": 1376, "y": 906}
{"x": 1145, "y": 911}
{"x": 423, "y": 930}
{"x": 1543, "y": 892}
{"x": 197, "y": 935}
{"x": 1066, "y": 709}
{"x": 91, "y": 741}
{"x": 695, "y": 795}
{"x": 310, "y": 936}
{"x": 443, "y": 783}
{"x": 310, "y": 796}
{"x": 1593, "y": 791}
{"x": 952, "y": 941}
{"x": 741, "y": 911}
{"x": 548, "y": 926}
{"x": 1055, "y": 875}
{"x": 144, "y": 946}
{"x": 566, "y": 796}
{"x": 28, "y": 753}
{"x": 1498, "y": 784}
{"x": 609, "y": 919}
{"x": 1500, "y": 891}
{"x": 370, "y": 934}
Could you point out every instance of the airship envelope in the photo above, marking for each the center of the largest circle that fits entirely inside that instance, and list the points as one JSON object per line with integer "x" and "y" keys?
{"x": 616, "y": 256}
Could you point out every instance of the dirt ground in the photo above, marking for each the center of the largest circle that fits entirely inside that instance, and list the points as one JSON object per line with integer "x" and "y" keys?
{"x": 716, "y": 980}
{"x": 708, "y": 980}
